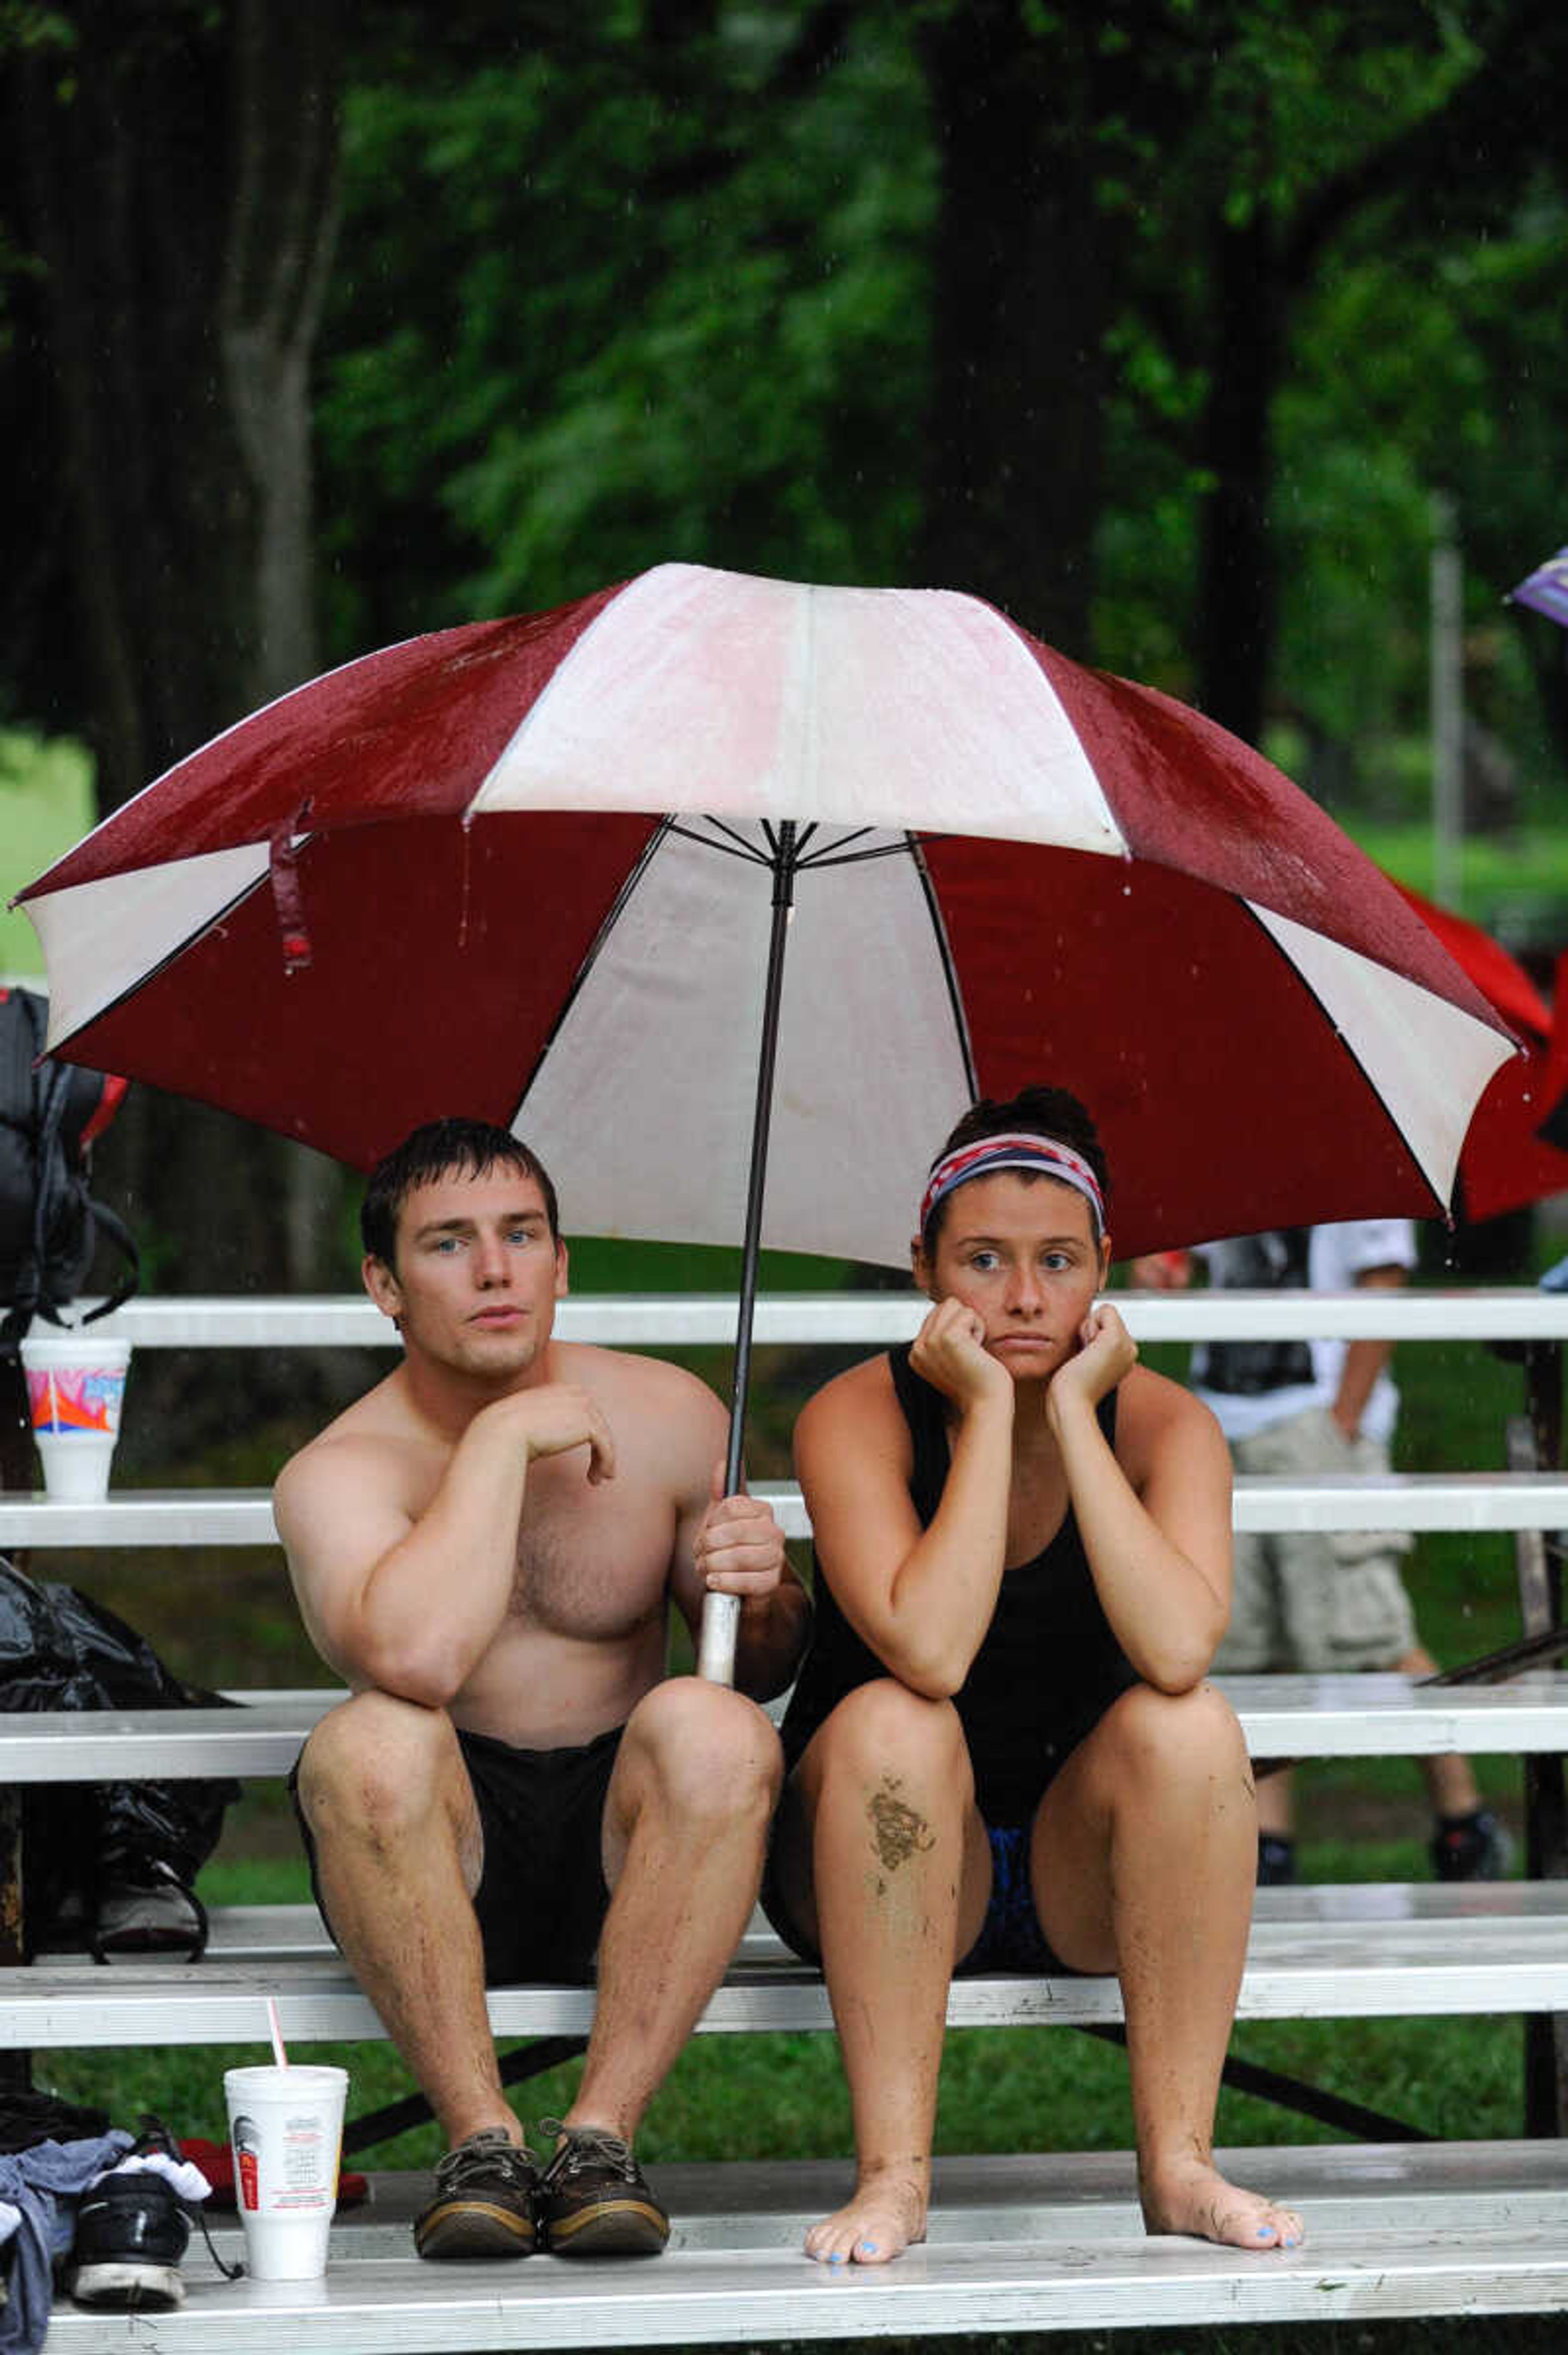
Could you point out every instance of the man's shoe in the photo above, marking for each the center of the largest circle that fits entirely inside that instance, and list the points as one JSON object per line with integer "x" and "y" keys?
{"x": 1471, "y": 1847}
{"x": 593, "y": 2200}
{"x": 484, "y": 2204}
{"x": 132, "y": 2227}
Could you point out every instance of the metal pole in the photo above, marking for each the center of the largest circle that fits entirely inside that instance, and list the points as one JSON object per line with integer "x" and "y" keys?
{"x": 721, "y": 1612}
{"x": 1447, "y": 704}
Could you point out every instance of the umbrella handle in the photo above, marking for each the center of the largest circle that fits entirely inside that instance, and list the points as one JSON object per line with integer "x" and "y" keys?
{"x": 715, "y": 1649}
{"x": 721, "y": 1612}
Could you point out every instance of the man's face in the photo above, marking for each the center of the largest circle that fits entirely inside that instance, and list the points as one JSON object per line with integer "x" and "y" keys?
{"x": 477, "y": 1273}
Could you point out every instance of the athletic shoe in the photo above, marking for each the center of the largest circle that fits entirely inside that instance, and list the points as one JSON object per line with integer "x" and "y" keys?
{"x": 156, "y": 1915}
{"x": 130, "y": 2234}
{"x": 1277, "y": 1861}
{"x": 593, "y": 2200}
{"x": 1471, "y": 1847}
{"x": 486, "y": 2193}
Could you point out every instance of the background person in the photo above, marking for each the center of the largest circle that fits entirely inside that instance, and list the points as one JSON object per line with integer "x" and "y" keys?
{"x": 1004, "y": 1753}
{"x": 485, "y": 1546}
{"x": 1320, "y": 1600}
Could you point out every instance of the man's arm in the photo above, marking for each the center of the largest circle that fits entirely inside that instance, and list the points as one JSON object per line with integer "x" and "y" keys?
{"x": 732, "y": 1545}
{"x": 738, "y": 1547}
{"x": 410, "y": 1605}
{"x": 1364, "y": 1360}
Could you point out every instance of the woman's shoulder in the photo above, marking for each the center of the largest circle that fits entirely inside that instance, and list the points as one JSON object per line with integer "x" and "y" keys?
{"x": 860, "y": 1402}
{"x": 1153, "y": 1411}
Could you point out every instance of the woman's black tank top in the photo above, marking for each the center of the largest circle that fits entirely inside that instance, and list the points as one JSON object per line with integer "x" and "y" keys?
{"x": 1047, "y": 1666}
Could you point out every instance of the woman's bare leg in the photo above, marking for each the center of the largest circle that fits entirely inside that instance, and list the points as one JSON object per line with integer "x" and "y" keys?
{"x": 1144, "y": 1857}
{"x": 885, "y": 1865}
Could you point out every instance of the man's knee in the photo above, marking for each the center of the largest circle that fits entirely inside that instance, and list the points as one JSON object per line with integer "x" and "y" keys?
{"x": 706, "y": 1750}
{"x": 375, "y": 1763}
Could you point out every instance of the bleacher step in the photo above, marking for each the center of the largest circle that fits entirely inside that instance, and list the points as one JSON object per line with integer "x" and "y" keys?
{"x": 1040, "y": 2243}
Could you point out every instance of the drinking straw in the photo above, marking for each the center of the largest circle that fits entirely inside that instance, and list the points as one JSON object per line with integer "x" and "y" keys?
{"x": 278, "y": 2053}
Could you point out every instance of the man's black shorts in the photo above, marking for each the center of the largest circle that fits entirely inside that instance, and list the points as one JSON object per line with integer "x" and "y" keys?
{"x": 542, "y": 1894}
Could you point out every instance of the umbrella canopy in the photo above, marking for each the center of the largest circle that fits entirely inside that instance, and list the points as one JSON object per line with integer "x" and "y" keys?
{"x": 1516, "y": 1150}
{"x": 528, "y": 869}
{"x": 1546, "y": 588}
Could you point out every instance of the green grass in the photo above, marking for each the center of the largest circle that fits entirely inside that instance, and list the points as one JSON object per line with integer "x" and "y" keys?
{"x": 46, "y": 804}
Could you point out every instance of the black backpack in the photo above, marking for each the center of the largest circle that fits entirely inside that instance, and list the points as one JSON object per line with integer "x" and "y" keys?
{"x": 49, "y": 1225}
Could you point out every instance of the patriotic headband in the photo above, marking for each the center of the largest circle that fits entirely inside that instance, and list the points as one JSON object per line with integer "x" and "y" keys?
{"x": 1013, "y": 1152}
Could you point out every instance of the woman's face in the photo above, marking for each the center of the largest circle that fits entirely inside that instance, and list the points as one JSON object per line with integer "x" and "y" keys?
{"x": 1019, "y": 1250}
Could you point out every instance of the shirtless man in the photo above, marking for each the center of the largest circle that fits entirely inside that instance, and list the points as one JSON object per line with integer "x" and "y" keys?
{"x": 484, "y": 1547}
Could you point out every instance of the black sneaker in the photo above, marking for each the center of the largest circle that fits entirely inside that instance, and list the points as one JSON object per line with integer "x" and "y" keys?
{"x": 130, "y": 2234}
{"x": 593, "y": 2200}
{"x": 1277, "y": 1861}
{"x": 1471, "y": 1847}
{"x": 484, "y": 2204}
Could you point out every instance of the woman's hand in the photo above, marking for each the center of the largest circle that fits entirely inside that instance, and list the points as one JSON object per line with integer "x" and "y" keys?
{"x": 1106, "y": 1351}
{"x": 950, "y": 1353}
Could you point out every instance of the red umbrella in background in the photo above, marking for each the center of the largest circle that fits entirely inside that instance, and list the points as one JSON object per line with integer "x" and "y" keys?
{"x": 1517, "y": 1148}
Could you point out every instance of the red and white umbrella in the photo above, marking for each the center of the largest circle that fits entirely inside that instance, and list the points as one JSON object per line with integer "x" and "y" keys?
{"x": 526, "y": 869}
{"x": 542, "y": 870}
{"x": 1516, "y": 1150}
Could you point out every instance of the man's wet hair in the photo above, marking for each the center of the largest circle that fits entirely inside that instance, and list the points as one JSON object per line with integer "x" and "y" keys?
{"x": 1036, "y": 1111}
{"x": 443, "y": 1148}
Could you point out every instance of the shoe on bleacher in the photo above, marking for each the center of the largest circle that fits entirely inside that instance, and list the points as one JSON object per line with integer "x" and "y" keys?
{"x": 132, "y": 2227}
{"x": 486, "y": 2200}
{"x": 155, "y": 1914}
{"x": 594, "y": 2199}
{"x": 1476, "y": 1847}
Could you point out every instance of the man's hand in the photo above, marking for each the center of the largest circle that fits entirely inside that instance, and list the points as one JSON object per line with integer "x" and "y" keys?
{"x": 555, "y": 1418}
{"x": 1167, "y": 1270}
{"x": 949, "y": 1352}
{"x": 740, "y": 1548}
{"x": 1105, "y": 1352}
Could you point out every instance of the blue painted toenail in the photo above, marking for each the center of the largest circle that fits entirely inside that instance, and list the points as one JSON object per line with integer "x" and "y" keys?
{"x": 1263, "y": 2232}
{"x": 869, "y": 2247}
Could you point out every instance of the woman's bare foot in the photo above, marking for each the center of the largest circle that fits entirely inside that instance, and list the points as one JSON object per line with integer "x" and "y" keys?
{"x": 886, "y": 2214}
{"x": 1194, "y": 2198}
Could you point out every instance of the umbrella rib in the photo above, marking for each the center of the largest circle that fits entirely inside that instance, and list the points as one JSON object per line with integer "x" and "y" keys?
{"x": 736, "y": 848}
{"x": 831, "y": 857}
{"x": 950, "y": 971}
{"x": 628, "y": 886}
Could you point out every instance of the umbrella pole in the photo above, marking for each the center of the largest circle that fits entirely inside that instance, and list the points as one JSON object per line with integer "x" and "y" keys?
{"x": 721, "y": 1612}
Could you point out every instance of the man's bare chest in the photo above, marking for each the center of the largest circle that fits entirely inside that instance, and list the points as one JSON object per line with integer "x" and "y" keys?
{"x": 590, "y": 1564}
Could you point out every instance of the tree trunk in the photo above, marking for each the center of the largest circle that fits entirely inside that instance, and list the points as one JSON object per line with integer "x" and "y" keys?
{"x": 1237, "y": 594}
{"x": 178, "y": 186}
{"x": 1026, "y": 265}
{"x": 178, "y": 166}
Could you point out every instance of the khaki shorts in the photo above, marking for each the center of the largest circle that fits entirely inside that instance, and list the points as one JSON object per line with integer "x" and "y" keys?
{"x": 1314, "y": 1600}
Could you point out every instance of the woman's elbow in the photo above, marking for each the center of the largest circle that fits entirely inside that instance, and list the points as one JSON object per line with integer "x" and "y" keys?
{"x": 1179, "y": 1668}
{"x": 933, "y": 1675}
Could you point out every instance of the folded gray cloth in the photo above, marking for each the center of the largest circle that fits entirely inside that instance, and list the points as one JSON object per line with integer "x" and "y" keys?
{"x": 43, "y": 2185}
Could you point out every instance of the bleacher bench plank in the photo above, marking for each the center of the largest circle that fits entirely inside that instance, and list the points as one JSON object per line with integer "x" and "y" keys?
{"x": 1046, "y": 2243}
{"x": 866, "y": 1320}
{"x": 1368, "y": 1716}
{"x": 1468, "y": 1501}
{"x": 1357, "y": 1951}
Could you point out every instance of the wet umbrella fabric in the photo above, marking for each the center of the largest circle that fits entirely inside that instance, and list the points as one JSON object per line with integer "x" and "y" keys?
{"x": 528, "y": 869}
{"x": 1516, "y": 1150}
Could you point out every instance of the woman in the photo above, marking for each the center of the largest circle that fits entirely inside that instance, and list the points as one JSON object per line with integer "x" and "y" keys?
{"x": 1004, "y": 1754}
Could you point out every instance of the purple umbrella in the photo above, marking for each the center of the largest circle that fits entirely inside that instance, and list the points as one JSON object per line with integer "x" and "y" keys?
{"x": 1547, "y": 588}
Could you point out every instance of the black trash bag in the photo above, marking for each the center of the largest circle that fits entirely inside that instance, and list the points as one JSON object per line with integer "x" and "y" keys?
{"x": 86, "y": 1845}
